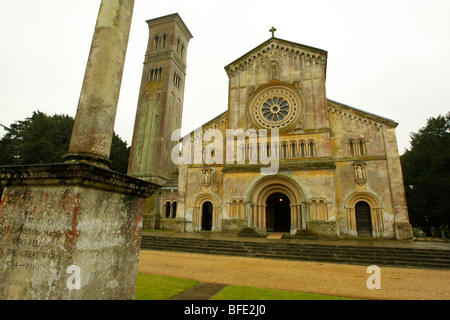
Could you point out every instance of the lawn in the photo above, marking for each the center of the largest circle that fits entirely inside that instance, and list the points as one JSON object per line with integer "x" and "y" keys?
{"x": 251, "y": 293}
{"x": 151, "y": 287}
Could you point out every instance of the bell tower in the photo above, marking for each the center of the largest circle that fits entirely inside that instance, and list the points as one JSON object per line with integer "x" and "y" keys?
{"x": 160, "y": 103}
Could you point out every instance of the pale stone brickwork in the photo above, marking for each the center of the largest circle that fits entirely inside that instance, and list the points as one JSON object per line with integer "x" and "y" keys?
{"x": 338, "y": 173}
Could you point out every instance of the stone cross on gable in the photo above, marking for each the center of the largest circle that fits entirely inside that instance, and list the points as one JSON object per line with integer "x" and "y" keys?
{"x": 273, "y": 31}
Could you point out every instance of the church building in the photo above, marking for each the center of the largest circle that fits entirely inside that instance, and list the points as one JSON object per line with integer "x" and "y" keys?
{"x": 281, "y": 158}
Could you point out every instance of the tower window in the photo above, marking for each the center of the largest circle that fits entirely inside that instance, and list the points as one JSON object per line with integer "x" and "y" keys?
{"x": 155, "y": 74}
{"x": 176, "y": 80}
{"x": 150, "y": 76}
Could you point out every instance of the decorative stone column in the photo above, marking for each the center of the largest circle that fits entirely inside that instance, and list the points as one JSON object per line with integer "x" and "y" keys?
{"x": 72, "y": 230}
{"x": 94, "y": 122}
{"x": 249, "y": 214}
{"x": 305, "y": 215}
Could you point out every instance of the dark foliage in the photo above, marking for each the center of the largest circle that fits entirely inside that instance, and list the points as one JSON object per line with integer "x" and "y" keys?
{"x": 426, "y": 174}
{"x": 45, "y": 139}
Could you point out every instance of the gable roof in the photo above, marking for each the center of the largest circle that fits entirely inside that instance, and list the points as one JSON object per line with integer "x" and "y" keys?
{"x": 362, "y": 113}
{"x": 278, "y": 41}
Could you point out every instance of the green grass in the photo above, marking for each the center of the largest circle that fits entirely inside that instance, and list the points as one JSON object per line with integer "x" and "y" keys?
{"x": 251, "y": 293}
{"x": 151, "y": 287}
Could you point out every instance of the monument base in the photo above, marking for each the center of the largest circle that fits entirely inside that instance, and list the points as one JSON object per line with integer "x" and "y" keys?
{"x": 69, "y": 231}
{"x": 403, "y": 231}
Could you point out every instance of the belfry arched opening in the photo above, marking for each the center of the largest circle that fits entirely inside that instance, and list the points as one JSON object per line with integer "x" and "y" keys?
{"x": 278, "y": 213}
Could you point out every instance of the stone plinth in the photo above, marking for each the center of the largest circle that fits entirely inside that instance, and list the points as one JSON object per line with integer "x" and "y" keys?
{"x": 69, "y": 231}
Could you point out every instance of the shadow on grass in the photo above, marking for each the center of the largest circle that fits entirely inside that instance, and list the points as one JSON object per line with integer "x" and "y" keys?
{"x": 152, "y": 287}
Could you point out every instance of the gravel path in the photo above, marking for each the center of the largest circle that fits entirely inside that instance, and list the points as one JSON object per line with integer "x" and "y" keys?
{"x": 310, "y": 277}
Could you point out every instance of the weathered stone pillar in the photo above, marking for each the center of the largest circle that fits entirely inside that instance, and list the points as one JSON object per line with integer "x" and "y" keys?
{"x": 72, "y": 230}
{"x": 94, "y": 122}
{"x": 69, "y": 231}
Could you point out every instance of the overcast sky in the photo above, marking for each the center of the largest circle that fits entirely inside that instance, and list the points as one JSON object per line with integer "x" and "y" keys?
{"x": 390, "y": 58}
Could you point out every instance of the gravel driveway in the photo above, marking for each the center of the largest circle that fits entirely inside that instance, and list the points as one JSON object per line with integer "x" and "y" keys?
{"x": 311, "y": 277}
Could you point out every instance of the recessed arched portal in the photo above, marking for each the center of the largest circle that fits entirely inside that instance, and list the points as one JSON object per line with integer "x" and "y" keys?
{"x": 266, "y": 215}
{"x": 207, "y": 216}
{"x": 278, "y": 213}
{"x": 364, "y": 215}
{"x": 363, "y": 219}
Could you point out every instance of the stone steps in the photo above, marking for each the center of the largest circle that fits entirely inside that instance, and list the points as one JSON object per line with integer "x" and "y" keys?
{"x": 361, "y": 255}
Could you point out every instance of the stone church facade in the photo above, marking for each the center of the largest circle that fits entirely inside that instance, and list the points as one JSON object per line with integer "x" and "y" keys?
{"x": 335, "y": 169}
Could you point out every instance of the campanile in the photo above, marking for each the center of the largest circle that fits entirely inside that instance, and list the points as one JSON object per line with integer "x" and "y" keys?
{"x": 160, "y": 102}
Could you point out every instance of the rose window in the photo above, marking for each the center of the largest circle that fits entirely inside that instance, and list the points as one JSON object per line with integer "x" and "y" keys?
{"x": 275, "y": 107}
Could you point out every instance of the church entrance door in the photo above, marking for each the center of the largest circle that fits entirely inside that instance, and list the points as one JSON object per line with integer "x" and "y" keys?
{"x": 363, "y": 219}
{"x": 207, "y": 216}
{"x": 278, "y": 213}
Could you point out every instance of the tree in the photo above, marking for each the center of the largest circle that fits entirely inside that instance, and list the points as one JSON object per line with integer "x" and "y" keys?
{"x": 426, "y": 174}
{"x": 45, "y": 139}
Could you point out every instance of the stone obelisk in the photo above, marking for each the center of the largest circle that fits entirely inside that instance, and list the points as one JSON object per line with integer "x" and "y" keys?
{"x": 72, "y": 230}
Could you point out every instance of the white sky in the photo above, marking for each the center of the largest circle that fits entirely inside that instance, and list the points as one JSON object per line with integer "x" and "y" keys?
{"x": 391, "y": 58}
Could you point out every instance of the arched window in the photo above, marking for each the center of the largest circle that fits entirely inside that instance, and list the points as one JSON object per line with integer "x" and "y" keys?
{"x": 351, "y": 148}
{"x": 275, "y": 151}
{"x": 251, "y": 150}
{"x": 159, "y": 73}
{"x": 167, "y": 209}
{"x": 241, "y": 156}
{"x": 302, "y": 149}
{"x": 284, "y": 150}
{"x": 174, "y": 210}
{"x": 155, "y": 44}
{"x": 164, "y": 40}
{"x": 267, "y": 150}
{"x": 312, "y": 148}
{"x": 150, "y": 76}
{"x": 361, "y": 147}
{"x": 293, "y": 150}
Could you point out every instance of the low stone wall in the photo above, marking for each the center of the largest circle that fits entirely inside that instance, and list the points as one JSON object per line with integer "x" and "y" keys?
{"x": 233, "y": 225}
{"x": 328, "y": 229}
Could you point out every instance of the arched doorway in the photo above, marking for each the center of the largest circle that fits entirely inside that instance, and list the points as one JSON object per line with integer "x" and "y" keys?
{"x": 261, "y": 202}
{"x": 207, "y": 216}
{"x": 278, "y": 213}
{"x": 363, "y": 219}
